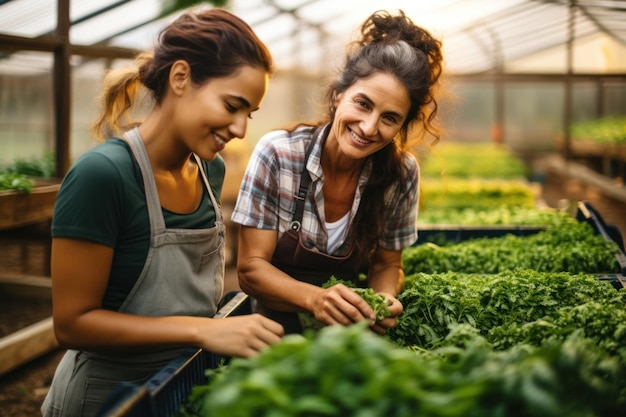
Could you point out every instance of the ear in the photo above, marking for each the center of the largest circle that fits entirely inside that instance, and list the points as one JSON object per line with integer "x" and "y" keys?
{"x": 336, "y": 98}
{"x": 180, "y": 75}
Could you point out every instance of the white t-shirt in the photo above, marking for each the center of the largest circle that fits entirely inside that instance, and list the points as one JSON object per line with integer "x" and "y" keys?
{"x": 336, "y": 232}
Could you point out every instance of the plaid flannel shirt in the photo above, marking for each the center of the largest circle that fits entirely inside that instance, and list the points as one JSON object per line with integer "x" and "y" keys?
{"x": 272, "y": 177}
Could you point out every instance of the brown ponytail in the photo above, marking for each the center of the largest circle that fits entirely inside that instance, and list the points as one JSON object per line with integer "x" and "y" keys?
{"x": 120, "y": 89}
{"x": 214, "y": 42}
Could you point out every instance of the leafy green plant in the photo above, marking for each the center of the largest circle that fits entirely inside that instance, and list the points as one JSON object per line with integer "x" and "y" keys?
{"x": 348, "y": 371}
{"x": 471, "y": 160}
{"x": 452, "y": 194}
{"x": 15, "y": 181}
{"x": 499, "y": 305}
{"x": 502, "y": 215}
{"x": 569, "y": 246}
{"x": 376, "y": 301}
{"x": 473, "y": 183}
{"x": 518, "y": 343}
{"x": 605, "y": 130}
{"x": 34, "y": 167}
{"x": 15, "y": 176}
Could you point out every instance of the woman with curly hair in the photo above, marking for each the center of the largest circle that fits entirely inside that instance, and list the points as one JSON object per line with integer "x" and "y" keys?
{"x": 340, "y": 198}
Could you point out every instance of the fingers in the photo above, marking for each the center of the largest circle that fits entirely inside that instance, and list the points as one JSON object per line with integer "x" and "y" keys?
{"x": 395, "y": 309}
{"x": 269, "y": 331}
{"x": 394, "y": 305}
{"x": 242, "y": 336}
{"x": 341, "y": 305}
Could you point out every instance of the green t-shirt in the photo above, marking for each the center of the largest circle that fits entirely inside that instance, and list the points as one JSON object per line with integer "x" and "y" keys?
{"x": 102, "y": 199}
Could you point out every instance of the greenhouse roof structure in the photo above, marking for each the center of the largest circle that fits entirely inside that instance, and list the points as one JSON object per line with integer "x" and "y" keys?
{"x": 490, "y": 40}
{"x": 478, "y": 35}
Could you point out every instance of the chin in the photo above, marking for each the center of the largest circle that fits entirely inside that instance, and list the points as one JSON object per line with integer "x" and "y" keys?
{"x": 207, "y": 156}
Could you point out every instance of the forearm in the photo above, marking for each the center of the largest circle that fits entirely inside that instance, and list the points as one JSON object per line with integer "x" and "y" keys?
{"x": 274, "y": 288}
{"x": 243, "y": 336}
{"x": 388, "y": 280}
{"x": 386, "y": 274}
{"x": 109, "y": 330}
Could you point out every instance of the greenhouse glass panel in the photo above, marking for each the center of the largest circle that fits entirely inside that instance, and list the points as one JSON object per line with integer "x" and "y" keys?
{"x": 26, "y": 100}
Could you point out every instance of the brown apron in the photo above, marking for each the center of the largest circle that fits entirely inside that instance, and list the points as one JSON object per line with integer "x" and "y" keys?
{"x": 302, "y": 263}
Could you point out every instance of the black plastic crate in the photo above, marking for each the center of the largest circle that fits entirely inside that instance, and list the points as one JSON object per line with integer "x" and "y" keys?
{"x": 587, "y": 213}
{"x": 442, "y": 234}
{"x": 164, "y": 393}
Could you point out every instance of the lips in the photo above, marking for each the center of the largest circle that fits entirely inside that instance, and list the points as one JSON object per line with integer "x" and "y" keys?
{"x": 221, "y": 143}
{"x": 359, "y": 139}
{"x": 219, "y": 140}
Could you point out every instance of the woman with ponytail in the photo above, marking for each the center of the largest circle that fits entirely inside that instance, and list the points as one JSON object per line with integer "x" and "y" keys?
{"x": 137, "y": 234}
{"x": 340, "y": 198}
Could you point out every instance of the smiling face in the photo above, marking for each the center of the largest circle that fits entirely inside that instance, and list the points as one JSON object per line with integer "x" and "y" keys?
{"x": 211, "y": 115}
{"x": 369, "y": 114}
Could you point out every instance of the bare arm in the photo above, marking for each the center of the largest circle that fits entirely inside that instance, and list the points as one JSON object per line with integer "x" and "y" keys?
{"x": 80, "y": 271}
{"x": 277, "y": 290}
{"x": 386, "y": 277}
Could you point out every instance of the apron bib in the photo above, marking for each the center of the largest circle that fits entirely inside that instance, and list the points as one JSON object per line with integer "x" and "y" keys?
{"x": 295, "y": 259}
{"x": 183, "y": 275}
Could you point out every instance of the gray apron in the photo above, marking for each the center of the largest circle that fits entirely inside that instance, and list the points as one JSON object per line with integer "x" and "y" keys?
{"x": 295, "y": 259}
{"x": 183, "y": 275}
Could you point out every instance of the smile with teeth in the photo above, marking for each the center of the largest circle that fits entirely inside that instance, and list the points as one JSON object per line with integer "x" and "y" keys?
{"x": 359, "y": 139}
{"x": 219, "y": 140}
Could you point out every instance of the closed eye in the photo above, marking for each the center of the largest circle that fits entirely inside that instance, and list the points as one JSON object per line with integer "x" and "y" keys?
{"x": 230, "y": 107}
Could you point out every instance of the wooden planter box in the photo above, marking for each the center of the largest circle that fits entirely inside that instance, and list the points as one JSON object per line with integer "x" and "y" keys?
{"x": 35, "y": 337}
{"x": 605, "y": 158}
{"x": 19, "y": 209}
{"x": 602, "y": 150}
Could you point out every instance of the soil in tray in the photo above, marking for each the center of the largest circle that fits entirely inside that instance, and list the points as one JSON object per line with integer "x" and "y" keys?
{"x": 23, "y": 389}
{"x": 17, "y": 314}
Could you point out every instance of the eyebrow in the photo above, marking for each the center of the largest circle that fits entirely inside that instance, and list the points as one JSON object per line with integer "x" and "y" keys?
{"x": 393, "y": 113}
{"x": 244, "y": 102}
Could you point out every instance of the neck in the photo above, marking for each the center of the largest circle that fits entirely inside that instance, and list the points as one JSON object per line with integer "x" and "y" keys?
{"x": 335, "y": 163}
{"x": 167, "y": 154}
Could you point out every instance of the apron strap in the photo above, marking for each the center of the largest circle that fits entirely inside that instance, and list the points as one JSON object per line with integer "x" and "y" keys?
{"x": 305, "y": 181}
{"x": 155, "y": 213}
{"x": 207, "y": 184}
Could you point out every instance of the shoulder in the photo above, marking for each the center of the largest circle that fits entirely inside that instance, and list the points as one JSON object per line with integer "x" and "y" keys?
{"x": 97, "y": 193}
{"x": 409, "y": 175}
{"x": 106, "y": 161}
{"x": 410, "y": 163}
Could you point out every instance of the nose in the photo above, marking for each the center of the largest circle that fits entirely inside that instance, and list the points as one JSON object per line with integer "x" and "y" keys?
{"x": 369, "y": 125}
{"x": 239, "y": 126}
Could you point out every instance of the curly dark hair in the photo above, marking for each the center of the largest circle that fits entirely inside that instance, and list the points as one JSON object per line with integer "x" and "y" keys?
{"x": 391, "y": 44}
